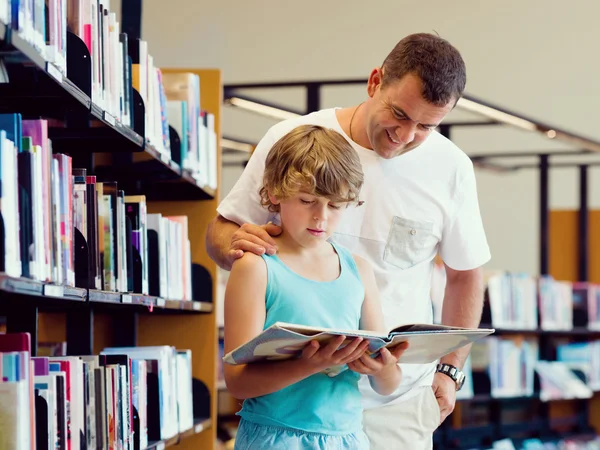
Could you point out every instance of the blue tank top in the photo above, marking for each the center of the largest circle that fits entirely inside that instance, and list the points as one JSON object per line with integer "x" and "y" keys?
{"x": 319, "y": 403}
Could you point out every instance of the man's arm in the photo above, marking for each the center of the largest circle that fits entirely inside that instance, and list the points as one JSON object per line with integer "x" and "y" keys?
{"x": 226, "y": 241}
{"x": 462, "y": 307}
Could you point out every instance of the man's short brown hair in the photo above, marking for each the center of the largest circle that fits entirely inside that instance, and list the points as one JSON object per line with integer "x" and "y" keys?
{"x": 434, "y": 60}
{"x": 313, "y": 159}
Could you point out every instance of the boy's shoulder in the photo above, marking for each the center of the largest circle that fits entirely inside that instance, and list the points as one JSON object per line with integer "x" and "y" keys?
{"x": 249, "y": 264}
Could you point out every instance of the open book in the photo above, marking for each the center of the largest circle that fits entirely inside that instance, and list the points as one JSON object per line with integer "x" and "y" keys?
{"x": 426, "y": 342}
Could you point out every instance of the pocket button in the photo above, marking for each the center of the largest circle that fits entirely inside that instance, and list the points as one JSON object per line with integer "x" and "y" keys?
{"x": 413, "y": 231}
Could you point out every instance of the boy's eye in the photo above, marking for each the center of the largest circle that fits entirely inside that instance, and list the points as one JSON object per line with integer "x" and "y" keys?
{"x": 334, "y": 206}
{"x": 305, "y": 202}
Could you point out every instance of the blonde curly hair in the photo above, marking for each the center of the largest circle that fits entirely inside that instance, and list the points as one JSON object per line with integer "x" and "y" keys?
{"x": 314, "y": 159}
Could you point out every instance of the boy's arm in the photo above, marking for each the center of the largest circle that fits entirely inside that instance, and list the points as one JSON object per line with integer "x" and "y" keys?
{"x": 384, "y": 373}
{"x": 245, "y": 318}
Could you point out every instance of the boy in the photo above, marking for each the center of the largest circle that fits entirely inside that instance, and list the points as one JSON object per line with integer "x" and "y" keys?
{"x": 312, "y": 175}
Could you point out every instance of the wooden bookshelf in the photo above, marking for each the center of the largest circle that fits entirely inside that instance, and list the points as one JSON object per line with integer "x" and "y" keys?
{"x": 564, "y": 234}
{"x": 198, "y": 332}
{"x": 50, "y": 312}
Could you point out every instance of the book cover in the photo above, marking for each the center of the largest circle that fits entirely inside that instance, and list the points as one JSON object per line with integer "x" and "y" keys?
{"x": 426, "y": 342}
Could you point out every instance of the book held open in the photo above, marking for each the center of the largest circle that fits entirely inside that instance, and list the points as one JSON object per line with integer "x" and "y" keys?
{"x": 426, "y": 342}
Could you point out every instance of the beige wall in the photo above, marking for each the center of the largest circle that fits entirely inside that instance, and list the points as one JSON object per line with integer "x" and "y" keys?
{"x": 537, "y": 57}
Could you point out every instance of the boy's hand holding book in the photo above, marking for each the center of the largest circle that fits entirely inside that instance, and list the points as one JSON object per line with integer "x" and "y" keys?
{"x": 321, "y": 356}
{"x": 384, "y": 372}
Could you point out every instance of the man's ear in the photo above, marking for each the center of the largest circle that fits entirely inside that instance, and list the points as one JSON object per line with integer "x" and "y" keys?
{"x": 375, "y": 80}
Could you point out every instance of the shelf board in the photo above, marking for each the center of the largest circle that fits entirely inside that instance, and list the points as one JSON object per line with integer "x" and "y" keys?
{"x": 40, "y": 293}
{"x": 52, "y": 295}
{"x": 148, "y": 301}
{"x": 27, "y": 91}
{"x": 199, "y": 426}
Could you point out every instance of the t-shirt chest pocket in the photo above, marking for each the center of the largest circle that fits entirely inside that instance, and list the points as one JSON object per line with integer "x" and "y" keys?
{"x": 407, "y": 242}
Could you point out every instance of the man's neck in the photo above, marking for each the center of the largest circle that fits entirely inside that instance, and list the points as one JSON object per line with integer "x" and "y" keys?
{"x": 358, "y": 133}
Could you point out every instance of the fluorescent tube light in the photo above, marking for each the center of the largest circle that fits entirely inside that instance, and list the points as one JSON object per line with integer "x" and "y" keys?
{"x": 495, "y": 114}
{"x": 235, "y": 145}
{"x": 259, "y": 108}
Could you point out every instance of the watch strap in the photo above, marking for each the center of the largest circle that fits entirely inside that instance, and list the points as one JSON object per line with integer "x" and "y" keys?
{"x": 453, "y": 372}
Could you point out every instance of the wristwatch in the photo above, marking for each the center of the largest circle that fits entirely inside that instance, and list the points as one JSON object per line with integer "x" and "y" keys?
{"x": 453, "y": 372}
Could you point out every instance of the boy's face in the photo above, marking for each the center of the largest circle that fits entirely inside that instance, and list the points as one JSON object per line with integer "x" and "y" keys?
{"x": 309, "y": 219}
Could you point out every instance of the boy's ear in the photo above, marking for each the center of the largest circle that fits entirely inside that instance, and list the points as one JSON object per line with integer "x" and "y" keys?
{"x": 274, "y": 200}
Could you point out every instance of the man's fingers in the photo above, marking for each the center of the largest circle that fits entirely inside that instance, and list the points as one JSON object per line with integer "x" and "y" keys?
{"x": 272, "y": 229}
{"x": 235, "y": 254}
{"x": 259, "y": 232}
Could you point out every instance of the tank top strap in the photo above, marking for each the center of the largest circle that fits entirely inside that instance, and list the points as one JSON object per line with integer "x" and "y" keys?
{"x": 346, "y": 259}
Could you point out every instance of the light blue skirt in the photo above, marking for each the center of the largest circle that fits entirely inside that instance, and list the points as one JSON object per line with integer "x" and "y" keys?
{"x": 251, "y": 436}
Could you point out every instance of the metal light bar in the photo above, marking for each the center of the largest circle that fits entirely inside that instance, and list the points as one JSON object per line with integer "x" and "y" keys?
{"x": 260, "y": 108}
{"x": 495, "y": 114}
{"x": 467, "y": 102}
{"x": 236, "y": 145}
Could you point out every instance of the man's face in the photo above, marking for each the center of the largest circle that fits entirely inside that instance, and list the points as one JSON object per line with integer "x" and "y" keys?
{"x": 398, "y": 118}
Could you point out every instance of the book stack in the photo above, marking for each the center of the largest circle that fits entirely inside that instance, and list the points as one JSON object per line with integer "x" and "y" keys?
{"x": 512, "y": 361}
{"x": 582, "y": 356}
{"x": 519, "y": 301}
{"x": 513, "y": 300}
{"x": 122, "y": 398}
{"x": 50, "y": 207}
{"x": 97, "y": 26}
{"x": 194, "y": 126}
{"x": 41, "y": 24}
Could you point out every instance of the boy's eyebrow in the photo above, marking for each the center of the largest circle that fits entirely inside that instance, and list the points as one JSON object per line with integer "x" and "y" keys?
{"x": 400, "y": 111}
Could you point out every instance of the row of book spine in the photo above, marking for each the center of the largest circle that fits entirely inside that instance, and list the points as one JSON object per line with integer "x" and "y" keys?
{"x": 47, "y": 204}
{"x": 511, "y": 361}
{"x": 521, "y": 301}
{"x": 93, "y": 401}
{"x": 118, "y": 66}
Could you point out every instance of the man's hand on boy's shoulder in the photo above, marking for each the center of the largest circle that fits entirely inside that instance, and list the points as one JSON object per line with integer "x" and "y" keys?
{"x": 255, "y": 239}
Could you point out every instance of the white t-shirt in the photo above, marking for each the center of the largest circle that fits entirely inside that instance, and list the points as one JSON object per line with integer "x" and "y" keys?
{"x": 415, "y": 205}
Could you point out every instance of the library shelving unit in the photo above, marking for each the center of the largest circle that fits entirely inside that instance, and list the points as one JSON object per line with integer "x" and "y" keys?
{"x": 569, "y": 251}
{"x": 90, "y": 320}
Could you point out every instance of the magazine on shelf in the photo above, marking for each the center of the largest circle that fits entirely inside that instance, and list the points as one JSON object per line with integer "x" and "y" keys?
{"x": 426, "y": 342}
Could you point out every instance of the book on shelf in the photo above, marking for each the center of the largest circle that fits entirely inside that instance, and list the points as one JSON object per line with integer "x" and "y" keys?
{"x": 121, "y": 398}
{"x": 511, "y": 367}
{"x": 559, "y": 382}
{"x": 49, "y": 207}
{"x": 426, "y": 342}
{"x": 582, "y": 356}
{"x": 120, "y": 64}
{"x": 520, "y": 301}
{"x": 194, "y": 126}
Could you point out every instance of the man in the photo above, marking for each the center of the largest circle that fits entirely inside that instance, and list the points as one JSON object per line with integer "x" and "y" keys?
{"x": 420, "y": 200}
